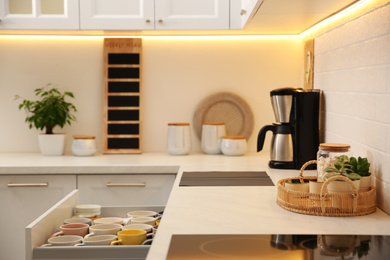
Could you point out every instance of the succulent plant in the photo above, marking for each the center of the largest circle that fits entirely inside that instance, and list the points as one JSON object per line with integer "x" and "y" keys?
{"x": 342, "y": 166}
{"x": 360, "y": 166}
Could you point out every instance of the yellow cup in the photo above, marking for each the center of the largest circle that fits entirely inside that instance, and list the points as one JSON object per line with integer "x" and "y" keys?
{"x": 130, "y": 237}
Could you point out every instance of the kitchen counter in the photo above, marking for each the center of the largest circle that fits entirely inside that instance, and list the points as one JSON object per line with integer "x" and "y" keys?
{"x": 206, "y": 210}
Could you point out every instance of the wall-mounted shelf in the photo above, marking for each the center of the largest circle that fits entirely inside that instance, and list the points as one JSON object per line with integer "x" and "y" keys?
{"x": 122, "y": 95}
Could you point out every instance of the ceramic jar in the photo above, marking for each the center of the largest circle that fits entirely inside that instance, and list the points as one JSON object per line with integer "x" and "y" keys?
{"x": 212, "y": 133}
{"x": 233, "y": 145}
{"x": 179, "y": 138}
{"x": 83, "y": 145}
{"x": 326, "y": 157}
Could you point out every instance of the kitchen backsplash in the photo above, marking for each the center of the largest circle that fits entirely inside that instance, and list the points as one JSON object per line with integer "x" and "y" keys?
{"x": 352, "y": 67}
{"x": 178, "y": 73}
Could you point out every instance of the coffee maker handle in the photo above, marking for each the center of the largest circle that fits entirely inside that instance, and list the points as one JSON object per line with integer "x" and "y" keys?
{"x": 261, "y": 136}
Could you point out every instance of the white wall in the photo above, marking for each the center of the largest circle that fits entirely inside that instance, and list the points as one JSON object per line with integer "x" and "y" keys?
{"x": 178, "y": 73}
{"x": 352, "y": 67}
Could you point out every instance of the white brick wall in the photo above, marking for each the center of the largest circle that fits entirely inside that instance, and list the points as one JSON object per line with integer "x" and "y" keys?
{"x": 352, "y": 67}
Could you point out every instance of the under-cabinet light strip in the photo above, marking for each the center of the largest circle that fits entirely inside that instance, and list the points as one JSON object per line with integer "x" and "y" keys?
{"x": 345, "y": 12}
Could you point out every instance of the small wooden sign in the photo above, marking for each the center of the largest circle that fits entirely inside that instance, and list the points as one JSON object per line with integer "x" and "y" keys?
{"x": 122, "y": 128}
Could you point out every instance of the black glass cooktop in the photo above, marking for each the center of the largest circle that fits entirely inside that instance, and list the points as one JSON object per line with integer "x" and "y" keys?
{"x": 226, "y": 178}
{"x": 276, "y": 247}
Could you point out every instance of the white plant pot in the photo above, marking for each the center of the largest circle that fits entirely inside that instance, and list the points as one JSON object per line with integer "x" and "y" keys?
{"x": 341, "y": 187}
{"x": 365, "y": 183}
{"x": 52, "y": 145}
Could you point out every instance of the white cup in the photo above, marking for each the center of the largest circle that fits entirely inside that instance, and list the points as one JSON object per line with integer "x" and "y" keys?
{"x": 65, "y": 240}
{"x": 78, "y": 220}
{"x": 98, "y": 240}
{"x": 179, "y": 138}
{"x": 87, "y": 210}
{"x": 212, "y": 133}
{"x": 233, "y": 145}
{"x": 144, "y": 220}
{"x": 109, "y": 220}
{"x": 296, "y": 185}
{"x": 148, "y": 228}
{"x": 104, "y": 229}
{"x": 141, "y": 213}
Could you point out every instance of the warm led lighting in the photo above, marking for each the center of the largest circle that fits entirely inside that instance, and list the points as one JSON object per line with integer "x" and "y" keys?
{"x": 344, "y": 13}
{"x": 154, "y": 37}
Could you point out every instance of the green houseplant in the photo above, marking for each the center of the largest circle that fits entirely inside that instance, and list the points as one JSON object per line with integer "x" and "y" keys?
{"x": 344, "y": 167}
{"x": 49, "y": 111}
{"x": 354, "y": 169}
{"x": 362, "y": 167}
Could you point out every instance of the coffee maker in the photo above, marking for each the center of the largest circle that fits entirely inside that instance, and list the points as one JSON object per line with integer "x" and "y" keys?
{"x": 295, "y": 137}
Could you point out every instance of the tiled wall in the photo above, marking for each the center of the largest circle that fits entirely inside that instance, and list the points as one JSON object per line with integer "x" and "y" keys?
{"x": 352, "y": 67}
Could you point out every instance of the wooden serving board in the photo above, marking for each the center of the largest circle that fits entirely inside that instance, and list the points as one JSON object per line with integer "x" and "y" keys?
{"x": 122, "y": 128}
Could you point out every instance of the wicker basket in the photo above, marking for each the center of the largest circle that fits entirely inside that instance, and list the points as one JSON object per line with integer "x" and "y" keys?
{"x": 325, "y": 204}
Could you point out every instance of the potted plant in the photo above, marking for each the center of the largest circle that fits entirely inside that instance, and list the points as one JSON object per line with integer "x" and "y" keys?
{"x": 49, "y": 111}
{"x": 361, "y": 166}
{"x": 342, "y": 167}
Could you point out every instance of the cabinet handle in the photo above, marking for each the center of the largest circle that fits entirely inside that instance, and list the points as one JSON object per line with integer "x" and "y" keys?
{"x": 160, "y": 20}
{"x": 243, "y": 11}
{"x": 147, "y": 20}
{"x": 134, "y": 184}
{"x": 41, "y": 184}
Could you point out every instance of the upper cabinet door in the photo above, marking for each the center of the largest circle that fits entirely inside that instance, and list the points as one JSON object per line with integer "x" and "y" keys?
{"x": 191, "y": 14}
{"x": 39, "y": 14}
{"x": 117, "y": 14}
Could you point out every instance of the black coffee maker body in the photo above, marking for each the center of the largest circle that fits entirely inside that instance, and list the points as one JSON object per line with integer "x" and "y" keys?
{"x": 295, "y": 138}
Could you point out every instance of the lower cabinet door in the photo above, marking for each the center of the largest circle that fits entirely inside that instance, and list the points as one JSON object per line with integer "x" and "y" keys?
{"x": 123, "y": 190}
{"x": 22, "y": 199}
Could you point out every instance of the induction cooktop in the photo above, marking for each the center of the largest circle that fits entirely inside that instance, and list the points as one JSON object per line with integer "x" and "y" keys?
{"x": 225, "y": 178}
{"x": 272, "y": 247}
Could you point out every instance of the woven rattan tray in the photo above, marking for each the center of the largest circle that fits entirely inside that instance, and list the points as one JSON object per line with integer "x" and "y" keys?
{"x": 325, "y": 204}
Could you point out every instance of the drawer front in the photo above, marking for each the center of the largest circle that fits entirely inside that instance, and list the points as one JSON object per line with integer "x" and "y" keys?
{"x": 122, "y": 190}
{"x": 23, "y": 199}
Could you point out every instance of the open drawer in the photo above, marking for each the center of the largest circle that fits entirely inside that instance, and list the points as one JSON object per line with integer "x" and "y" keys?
{"x": 43, "y": 227}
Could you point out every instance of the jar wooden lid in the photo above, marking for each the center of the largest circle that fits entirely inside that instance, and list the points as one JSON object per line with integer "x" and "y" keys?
{"x": 213, "y": 123}
{"x": 234, "y": 137}
{"x": 84, "y": 137}
{"x": 178, "y": 124}
{"x": 335, "y": 147}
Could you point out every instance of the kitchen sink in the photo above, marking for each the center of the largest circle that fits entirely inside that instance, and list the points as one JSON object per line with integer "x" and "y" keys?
{"x": 225, "y": 178}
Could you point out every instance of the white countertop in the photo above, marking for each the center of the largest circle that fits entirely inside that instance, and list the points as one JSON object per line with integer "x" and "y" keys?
{"x": 206, "y": 210}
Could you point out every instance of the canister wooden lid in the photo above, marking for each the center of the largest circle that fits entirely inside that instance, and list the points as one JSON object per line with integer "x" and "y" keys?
{"x": 213, "y": 123}
{"x": 84, "y": 137}
{"x": 335, "y": 147}
{"x": 234, "y": 137}
{"x": 178, "y": 124}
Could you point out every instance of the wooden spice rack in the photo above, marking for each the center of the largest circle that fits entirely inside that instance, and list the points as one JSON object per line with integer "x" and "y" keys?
{"x": 325, "y": 204}
{"x": 122, "y": 128}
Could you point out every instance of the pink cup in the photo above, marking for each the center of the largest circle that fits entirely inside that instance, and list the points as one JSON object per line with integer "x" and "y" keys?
{"x": 73, "y": 229}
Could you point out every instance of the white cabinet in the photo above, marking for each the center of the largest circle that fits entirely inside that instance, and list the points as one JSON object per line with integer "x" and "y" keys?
{"x": 39, "y": 14}
{"x": 117, "y": 14}
{"x": 154, "y": 14}
{"x": 192, "y": 14}
{"x": 120, "y": 190}
{"x": 242, "y": 12}
{"x": 22, "y": 199}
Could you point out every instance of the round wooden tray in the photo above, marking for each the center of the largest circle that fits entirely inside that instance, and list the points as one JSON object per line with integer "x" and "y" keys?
{"x": 225, "y": 107}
